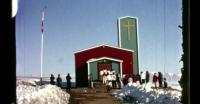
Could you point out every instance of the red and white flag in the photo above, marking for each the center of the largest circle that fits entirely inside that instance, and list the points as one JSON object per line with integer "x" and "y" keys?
{"x": 42, "y": 20}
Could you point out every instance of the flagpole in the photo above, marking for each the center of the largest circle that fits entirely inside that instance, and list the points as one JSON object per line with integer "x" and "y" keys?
{"x": 41, "y": 67}
{"x": 42, "y": 45}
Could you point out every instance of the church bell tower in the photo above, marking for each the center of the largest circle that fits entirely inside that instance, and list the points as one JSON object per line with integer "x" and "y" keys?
{"x": 129, "y": 38}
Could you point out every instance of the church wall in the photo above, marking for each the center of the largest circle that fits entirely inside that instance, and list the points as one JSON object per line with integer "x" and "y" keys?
{"x": 103, "y": 51}
{"x": 82, "y": 76}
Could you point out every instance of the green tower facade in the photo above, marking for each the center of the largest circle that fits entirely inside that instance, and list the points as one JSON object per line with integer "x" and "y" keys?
{"x": 128, "y": 38}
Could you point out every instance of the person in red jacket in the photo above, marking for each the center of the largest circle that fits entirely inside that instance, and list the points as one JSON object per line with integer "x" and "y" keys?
{"x": 155, "y": 79}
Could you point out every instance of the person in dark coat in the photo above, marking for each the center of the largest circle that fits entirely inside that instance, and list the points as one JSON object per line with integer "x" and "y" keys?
{"x": 118, "y": 81}
{"x": 160, "y": 79}
{"x": 125, "y": 80}
{"x": 139, "y": 78}
{"x": 52, "y": 79}
{"x": 68, "y": 78}
{"x": 59, "y": 81}
{"x": 165, "y": 83}
{"x": 147, "y": 76}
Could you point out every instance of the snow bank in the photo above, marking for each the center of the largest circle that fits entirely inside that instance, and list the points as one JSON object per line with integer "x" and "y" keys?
{"x": 175, "y": 85}
{"x": 137, "y": 93}
{"x": 30, "y": 93}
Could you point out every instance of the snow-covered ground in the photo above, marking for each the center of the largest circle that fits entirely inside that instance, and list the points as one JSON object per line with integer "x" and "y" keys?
{"x": 171, "y": 78}
{"x": 28, "y": 92}
{"x": 174, "y": 85}
{"x": 136, "y": 94}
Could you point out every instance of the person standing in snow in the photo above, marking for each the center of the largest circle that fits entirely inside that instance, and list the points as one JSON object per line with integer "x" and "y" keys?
{"x": 109, "y": 82}
{"x": 147, "y": 76}
{"x": 143, "y": 77}
{"x": 68, "y": 78}
{"x": 125, "y": 80}
{"x": 52, "y": 79}
{"x": 165, "y": 84}
{"x": 139, "y": 79}
{"x": 59, "y": 81}
{"x": 155, "y": 79}
{"x": 113, "y": 80}
{"x": 160, "y": 79}
{"x": 118, "y": 81}
{"x": 104, "y": 76}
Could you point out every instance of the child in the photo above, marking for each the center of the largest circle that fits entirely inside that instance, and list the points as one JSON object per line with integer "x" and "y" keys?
{"x": 165, "y": 84}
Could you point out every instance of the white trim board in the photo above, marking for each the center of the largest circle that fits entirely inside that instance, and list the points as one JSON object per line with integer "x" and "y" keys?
{"x": 97, "y": 59}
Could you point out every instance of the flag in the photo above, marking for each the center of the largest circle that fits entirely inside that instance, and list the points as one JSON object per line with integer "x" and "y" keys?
{"x": 42, "y": 20}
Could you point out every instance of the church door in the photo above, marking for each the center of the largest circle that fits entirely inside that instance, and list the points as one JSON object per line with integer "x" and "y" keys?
{"x": 103, "y": 66}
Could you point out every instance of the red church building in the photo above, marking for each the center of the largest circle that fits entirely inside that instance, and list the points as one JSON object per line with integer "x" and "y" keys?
{"x": 89, "y": 62}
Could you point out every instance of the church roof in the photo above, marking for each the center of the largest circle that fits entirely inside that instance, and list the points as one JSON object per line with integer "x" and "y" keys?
{"x": 104, "y": 45}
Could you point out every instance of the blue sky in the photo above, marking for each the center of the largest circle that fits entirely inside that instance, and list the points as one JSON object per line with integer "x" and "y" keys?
{"x": 72, "y": 25}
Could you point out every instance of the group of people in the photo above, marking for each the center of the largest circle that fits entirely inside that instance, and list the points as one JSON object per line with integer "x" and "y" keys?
{"x": 144, "y": 78}
{"x": 113, "y": 80}
{"x": 59, "y": 81}
{"x": 110, "y": 79}
{"x": 158, "y": 80}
